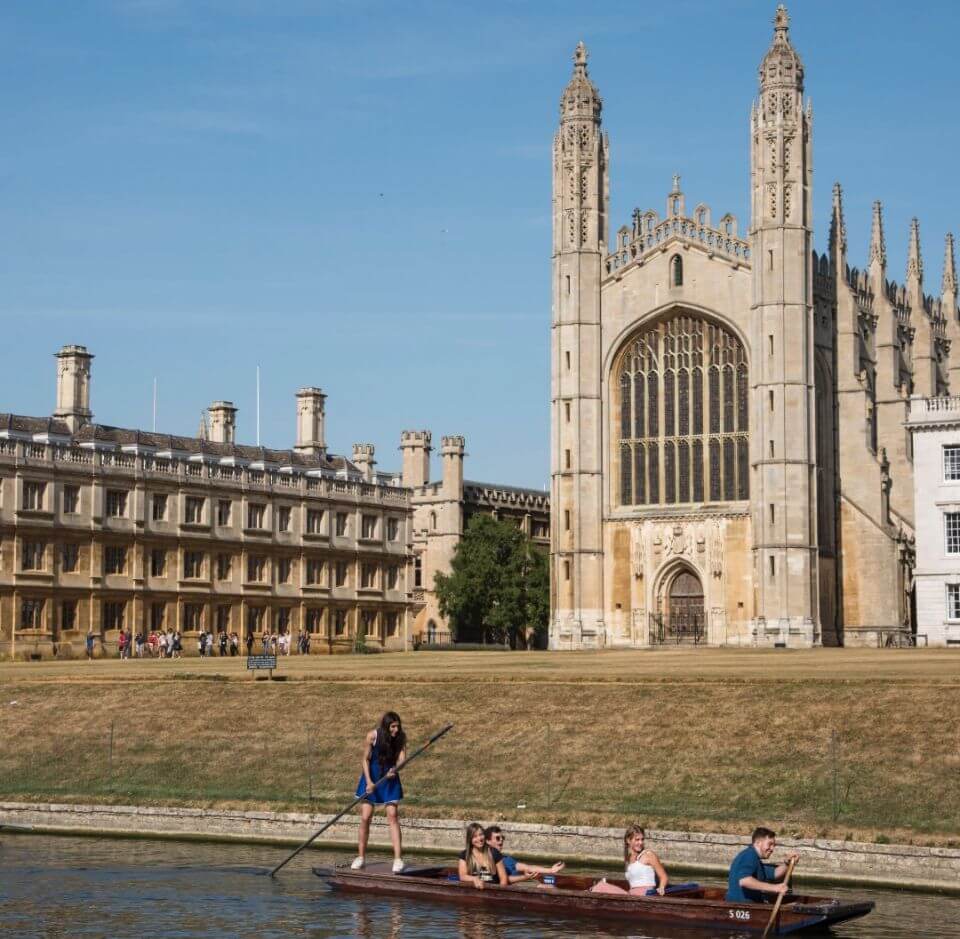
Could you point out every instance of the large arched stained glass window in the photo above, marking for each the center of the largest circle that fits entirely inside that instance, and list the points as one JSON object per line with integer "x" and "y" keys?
{"x": 684, "y": 412}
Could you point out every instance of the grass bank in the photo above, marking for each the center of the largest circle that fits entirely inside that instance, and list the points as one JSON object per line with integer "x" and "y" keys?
{"x": 844, "y": 744}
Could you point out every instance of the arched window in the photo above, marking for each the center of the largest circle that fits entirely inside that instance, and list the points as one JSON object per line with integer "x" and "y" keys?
{"x": 683, "y": 414}
{"x": 433, "y": 521}
{"x": 676, "y": 271}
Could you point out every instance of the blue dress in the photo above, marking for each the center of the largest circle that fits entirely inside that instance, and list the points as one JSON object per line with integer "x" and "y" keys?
{"x": 390, "y": 792}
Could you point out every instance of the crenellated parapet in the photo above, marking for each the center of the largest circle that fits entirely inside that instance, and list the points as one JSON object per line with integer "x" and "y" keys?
{"x": 650, "y": 235}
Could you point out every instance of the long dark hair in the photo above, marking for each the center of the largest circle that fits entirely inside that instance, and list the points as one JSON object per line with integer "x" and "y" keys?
{"x": 389, "y": 748}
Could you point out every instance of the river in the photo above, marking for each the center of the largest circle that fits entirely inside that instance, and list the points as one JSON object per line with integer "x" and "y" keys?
{"x": 53, "y": 887}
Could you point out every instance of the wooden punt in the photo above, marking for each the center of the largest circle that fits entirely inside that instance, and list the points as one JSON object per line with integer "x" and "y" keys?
{"x": 684, "y": 905}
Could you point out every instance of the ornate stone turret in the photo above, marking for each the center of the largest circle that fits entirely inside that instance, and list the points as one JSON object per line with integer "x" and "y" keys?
{"x": 877, "y": 265}
{"x": 581, "y": 194}
{"x": 223, "y": 422}
{"x": 415, "y": 445}
{"x": 948, "y": 306}
{"x": 924, "y": 344}
{"x": 363, "y": 457}
{"x": 785, "y": 553}
{"x": 838, "y": 234}
{"x": 914, "y": 258}
{"x": 73, "y": 386}
{"x": 451, "y": 453}
{"x": 310, "y": 422}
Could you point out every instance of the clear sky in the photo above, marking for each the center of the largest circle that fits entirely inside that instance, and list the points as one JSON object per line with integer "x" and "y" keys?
{"x": 356, "y": 195}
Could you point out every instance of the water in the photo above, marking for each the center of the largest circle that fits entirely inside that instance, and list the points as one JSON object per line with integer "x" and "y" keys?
{"x": 128, "y": 889}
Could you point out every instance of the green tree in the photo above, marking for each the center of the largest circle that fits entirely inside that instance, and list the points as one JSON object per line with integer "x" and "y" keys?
{"x": 498, "y": 589}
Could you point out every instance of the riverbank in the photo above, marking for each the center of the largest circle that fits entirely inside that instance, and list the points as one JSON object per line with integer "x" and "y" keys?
{"x": 844, "y": 862}
{"x": 836, "y": 744}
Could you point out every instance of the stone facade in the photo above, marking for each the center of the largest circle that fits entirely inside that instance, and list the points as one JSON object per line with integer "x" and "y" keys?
{"x": 441, "y": 511}
{"x": 729, "y": 458}
{"x": 103, "y": 528}
{"x": 935, "y": 428}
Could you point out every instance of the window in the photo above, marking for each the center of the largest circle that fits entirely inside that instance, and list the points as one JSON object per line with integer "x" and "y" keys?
{"x": 568, "y": 360}
{"x": 193, "y": 514}
{"x": 31, "y": 614}
{"x": 393, "y": 529}
{"x": 566, "y": 459}
{"x": 314, "y": 521}
{"x": 393, "y": 577}
{"x": 157, "y": 611}
{"x": 192, "y": 616}
{"x": 951, "y": 524}
{"x": 255, "y": 514}
{"x": 391, "y": 620}
{"x": 953, "y": 601}
{"x": 159, "y": 507}
{"x": 284, "y": 570}
{"x": 368, "y": 576}
{"x": 418, "y": 571}
{"x": 951, "y": 464}
{"x": 341, "y": 524}
{"x": 341, "y": 573}
{"x": 683, "y": 414}
{"x": 192, "y": 564}
{"x": 116, "y": 503}
{"x": 224, "y": 565}
{"x": 566, "y": 520}
{"x": 158, "y": 562}
{"x": 114, "y": 559}
{"x": 114, "y": 613}
{"x": 314, "y": 571}
{"x": 68, "y": 614}
{"x": 256, "y": 569}
{"x": 283, "y": 620}
{"x": 71, "y": 500}
{"x": 566, "y": 409}
{"x": 540, "y": 530}
{"x": 368, "y": 623}
{"x": 676, "y": 271}
{"x": 369, "y": 526}
{"x": 339, "y": 622}
{"x": 223, "y": 512}
{"x": 433, "y": 521}
{"x": 223, "y": 618}
{"x": 32, "y": 555}
{"x": 69, "y": 558}
{"x": 773, "y": 567}
{"x": 314, "y": 620}
{"x": 254, "y": 619}
{"x": 283, "y": 518}
{"x": 566, "y": 570}
{"x": 33, "y": 495}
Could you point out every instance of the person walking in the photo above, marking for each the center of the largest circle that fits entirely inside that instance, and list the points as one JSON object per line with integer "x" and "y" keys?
{"x": 89, "y": 645}
{"x": 249, "y": 641}
{"x": 384, "y": 753}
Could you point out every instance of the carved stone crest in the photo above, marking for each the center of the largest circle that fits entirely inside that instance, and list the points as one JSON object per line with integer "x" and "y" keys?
{"x": 716, "y": 550}
{"x": 637, "y": 550}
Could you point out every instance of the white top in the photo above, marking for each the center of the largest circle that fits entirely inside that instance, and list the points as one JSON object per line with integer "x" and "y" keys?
{"x": 641, "y": 875}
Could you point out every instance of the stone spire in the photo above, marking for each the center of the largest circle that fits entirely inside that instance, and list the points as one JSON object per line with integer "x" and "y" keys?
{"x": 580, "y": 99}
{"x": 781, "y": 66}
{"x": 838, "y": 228}
{"x": 878, "y": 246}
{"x": 914, "y": 258}
{"x": 948, "y": 286}
{"x": 202, "y": 433}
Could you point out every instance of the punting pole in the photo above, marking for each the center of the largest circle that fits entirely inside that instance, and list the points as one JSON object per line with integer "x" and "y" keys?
{"x": 336, "y": 818}
{"x": 771, "y": 923}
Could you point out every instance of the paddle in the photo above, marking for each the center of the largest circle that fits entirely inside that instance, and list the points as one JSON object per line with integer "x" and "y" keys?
{"x": 376, "y": 785}
{"x": 776, "y": 906}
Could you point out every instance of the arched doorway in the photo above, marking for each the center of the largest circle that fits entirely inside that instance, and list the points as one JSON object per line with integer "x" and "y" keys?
{"x": 681, "y": 617}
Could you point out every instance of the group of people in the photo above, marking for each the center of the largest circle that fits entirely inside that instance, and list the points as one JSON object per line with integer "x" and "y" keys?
{"x": 483, "y": 861}
{"x": 280, "y": 643}
{"x": 168, "y": 644}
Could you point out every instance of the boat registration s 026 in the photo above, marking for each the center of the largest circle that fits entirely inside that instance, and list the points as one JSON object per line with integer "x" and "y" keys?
{"x": 740, "y": 915}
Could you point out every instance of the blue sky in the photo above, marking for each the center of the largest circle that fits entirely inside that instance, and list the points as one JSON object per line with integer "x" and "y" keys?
{"x": 357, "y": 194}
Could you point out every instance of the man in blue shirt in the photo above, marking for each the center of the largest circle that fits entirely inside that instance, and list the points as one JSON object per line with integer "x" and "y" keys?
{"x": 517, "y": 871}
{"x": 752, "y": 881}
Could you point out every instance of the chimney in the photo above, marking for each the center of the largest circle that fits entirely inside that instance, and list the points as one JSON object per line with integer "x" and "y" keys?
{"x": 363, "y": 457}
{"x": 415, "y": 445}
{"x": 310, "y": 440}
{"x": 223, "y": 422}
{"x": 451, "y": 454}
{"x": 73, "y": 386}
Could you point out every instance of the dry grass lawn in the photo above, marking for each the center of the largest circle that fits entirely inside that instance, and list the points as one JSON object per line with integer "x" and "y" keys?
{"x": 860, "y": 743}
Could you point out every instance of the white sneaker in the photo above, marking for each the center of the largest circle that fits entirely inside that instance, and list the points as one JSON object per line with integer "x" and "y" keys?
{"x": 357, "y": 864}
{"x": 398, "y": 866}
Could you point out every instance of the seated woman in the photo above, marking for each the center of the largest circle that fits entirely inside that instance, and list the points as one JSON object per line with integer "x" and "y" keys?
{"x": 481, "y": 863}
{"x": 644, "y": 872}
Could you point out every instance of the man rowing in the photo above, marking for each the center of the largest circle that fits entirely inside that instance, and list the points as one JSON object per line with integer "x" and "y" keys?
{"x": 752, "y": 881}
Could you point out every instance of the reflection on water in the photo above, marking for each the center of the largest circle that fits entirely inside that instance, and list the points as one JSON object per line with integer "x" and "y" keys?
{"x": 92, "y": 887}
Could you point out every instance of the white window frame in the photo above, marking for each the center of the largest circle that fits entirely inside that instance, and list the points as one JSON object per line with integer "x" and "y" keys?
{"x": 955, "y": 450}
{"x": 953, "y": 604}
{"x": 947, "y": 516}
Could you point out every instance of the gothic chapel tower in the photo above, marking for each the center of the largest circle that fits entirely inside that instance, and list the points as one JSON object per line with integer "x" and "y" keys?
{"x": 580, "y": 219}
{"x": 783, "y": 488}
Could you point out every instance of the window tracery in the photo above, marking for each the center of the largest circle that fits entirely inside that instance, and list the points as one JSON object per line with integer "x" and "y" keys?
{"x": 684, "y": 414}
